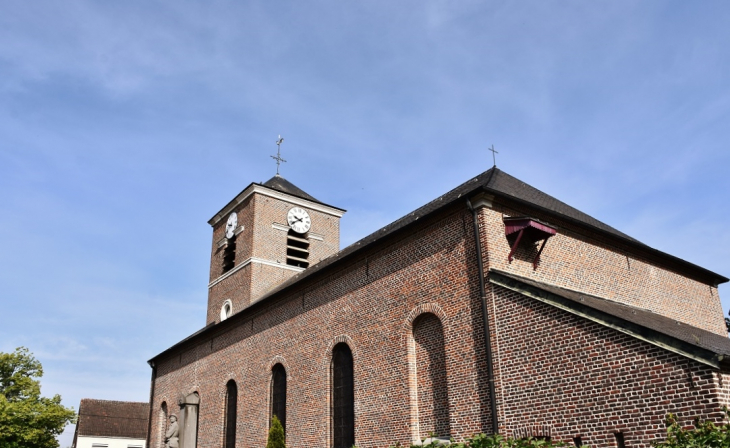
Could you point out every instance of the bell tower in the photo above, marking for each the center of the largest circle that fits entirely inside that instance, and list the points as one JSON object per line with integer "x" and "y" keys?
{"x": 265, "y": 235}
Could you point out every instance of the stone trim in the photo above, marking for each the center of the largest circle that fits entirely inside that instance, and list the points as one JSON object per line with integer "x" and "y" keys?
{"x": 338, "y": 339}
{"x": 278, "y": 359}
{"x": 432, "y": 308}
{"x": 249, "y": 261}
{"x": 266, "y": 191}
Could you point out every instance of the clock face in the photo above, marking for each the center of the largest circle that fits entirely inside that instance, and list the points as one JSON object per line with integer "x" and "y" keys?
{"x": 299, "y": 220}
{"x": 231, "y": 225}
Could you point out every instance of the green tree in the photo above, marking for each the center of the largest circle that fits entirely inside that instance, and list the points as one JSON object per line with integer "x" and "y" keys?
{"x": 276, "y": 434}
{"x": 28, "y": 420}
{"x": 705, "y": 434}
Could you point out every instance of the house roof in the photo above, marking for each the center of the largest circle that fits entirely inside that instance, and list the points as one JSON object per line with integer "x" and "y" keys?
{"x": 105, "y": 418}
{"x": 492, "y": 181}
{"x": 644, "y": 324}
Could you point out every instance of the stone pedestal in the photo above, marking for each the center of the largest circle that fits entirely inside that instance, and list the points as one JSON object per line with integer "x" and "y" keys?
{"x": 189, "y": 420}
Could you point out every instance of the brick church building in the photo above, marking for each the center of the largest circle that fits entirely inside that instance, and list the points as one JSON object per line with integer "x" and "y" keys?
{"x": 493, "y": 308}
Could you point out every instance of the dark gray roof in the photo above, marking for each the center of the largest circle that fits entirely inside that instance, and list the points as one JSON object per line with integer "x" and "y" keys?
{"x": 626, "y": 314}
{"x": 278, "y": 183}
{"x": 506, "y": 185}
{"x": 493, "y": 181}
{"x": 107, "y": 418}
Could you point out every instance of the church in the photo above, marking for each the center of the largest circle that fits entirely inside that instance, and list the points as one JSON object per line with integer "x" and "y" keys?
{"x": 494, "y": 308}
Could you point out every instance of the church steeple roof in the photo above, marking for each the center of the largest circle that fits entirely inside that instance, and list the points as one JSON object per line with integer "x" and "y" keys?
{"x": 278, "y": 183}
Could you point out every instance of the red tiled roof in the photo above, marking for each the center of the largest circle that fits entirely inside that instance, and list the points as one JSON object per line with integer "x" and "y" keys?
{"x": 107, "y": 418}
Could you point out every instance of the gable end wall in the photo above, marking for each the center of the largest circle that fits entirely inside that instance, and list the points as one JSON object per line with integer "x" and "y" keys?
{"x": 581, "y": 379}
{"x": 594, "y": 265}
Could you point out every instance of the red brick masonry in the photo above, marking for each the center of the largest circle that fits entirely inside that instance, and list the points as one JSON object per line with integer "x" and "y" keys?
{"x": 406, "y": 300}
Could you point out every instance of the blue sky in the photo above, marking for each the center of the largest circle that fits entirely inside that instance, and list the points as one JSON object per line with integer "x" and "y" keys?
{"x": 124, "y": 126}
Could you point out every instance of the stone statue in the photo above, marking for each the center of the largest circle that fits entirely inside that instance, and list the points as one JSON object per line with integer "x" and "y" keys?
{"x": 171, "y": 436}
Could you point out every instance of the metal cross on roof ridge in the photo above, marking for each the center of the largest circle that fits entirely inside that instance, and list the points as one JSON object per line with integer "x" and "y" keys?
{"x": 278, "y": 158}
{"x": 494, "y": 157}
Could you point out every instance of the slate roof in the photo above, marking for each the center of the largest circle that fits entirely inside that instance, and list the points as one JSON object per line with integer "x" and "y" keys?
{"x": 715, "y": 343}
{"x": 493, "y": 181}
{"x": 506, "y": 185}
{"x": 105, "y": 418}
{"x": 499, "y": 183}
{"x": 278, "y": 183}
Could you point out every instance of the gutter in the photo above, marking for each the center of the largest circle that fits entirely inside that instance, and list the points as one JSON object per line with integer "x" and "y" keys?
{"x": 152, "y": 397}
{"x": 487, "y": 337}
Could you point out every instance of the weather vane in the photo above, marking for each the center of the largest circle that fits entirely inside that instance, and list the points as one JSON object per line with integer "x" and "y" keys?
{"x": 278, "y": 158}
{"x": 494, "y": 152}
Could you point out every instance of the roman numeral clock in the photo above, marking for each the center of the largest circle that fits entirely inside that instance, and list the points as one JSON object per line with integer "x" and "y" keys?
{"x": 299, "y": 220}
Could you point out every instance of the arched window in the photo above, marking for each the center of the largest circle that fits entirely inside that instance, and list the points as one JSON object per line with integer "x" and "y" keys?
{"x": 278, "y": 394}
{"x": 431, "y": 384}
{"x": 229, "y": 440}
{"x": 343, "y": 397}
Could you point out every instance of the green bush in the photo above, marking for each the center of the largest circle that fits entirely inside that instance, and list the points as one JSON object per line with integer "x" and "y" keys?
{"x": 704, "y": 435}
{"x": 494, "y": 441}
{"x": 276, "y": 434}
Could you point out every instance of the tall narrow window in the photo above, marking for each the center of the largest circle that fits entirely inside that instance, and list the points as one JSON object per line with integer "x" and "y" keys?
{"x": 343, "y": 397}
{"x": 231, "y": 412}
{"x": 433, "y": 396}
{"x": 278, "y": 394}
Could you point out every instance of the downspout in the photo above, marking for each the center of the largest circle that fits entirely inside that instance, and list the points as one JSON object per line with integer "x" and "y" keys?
{"x": 152, "y": 398}
{"x": 487, "y": 337}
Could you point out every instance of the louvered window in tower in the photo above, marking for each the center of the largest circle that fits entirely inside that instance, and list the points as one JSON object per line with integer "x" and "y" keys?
{"x": 278, "y": 394}
{"x": 229, "y": 255}
{"x": 343, "y": 398}
{"x": 297, "y": 250}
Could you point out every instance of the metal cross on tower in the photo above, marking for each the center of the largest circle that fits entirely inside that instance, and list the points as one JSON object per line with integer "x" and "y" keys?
{"x": 494, "y": 152}
{"x": 278, "y": 158}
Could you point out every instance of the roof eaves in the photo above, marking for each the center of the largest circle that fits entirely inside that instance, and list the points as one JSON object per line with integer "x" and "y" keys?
{"x": 706, "y": 274}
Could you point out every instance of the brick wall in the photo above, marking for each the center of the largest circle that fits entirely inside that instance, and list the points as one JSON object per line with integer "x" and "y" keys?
{"x": 432, "y": 391}
{"x": 580, "y": 379}
{"x": 270, "y": 243}
{"x": 260, "y": 239}
{"x": 583, "y": 261}
{"x": 554, "y": 372}
{"x": 244, "y": 241}
{"x": 371, "y": 302}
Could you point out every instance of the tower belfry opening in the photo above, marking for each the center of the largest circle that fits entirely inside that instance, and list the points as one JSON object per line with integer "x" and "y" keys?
{"x": 297, "y": 249}
{"x": 229, "y": 255}
{"x": 265, "y": 235}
